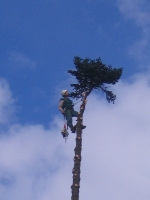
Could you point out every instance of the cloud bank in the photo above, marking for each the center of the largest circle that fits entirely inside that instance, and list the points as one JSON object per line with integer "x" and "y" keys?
{"x": 36, "y": 163}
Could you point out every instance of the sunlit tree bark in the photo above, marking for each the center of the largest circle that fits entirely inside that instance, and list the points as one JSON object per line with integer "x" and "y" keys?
{"x": 77, "y": 158}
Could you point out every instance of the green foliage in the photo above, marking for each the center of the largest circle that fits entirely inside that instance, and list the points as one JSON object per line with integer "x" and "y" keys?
{"x": 94, "y": 75}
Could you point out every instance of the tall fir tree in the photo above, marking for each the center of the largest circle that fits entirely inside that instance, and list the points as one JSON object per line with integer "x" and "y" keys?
{"x": 91, "y": 75}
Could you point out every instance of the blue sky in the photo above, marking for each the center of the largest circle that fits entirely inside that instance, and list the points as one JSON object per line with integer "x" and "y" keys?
{"x": 39, "y": 40}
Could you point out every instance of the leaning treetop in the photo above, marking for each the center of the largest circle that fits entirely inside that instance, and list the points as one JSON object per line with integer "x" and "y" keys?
{"x": 94, "y": 75}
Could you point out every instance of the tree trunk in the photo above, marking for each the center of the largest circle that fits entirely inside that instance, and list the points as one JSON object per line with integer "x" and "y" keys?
{"x": 77, "y": 158}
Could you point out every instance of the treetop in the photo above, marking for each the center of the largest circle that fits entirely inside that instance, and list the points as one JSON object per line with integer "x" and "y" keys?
{"x": 94, "y": 75}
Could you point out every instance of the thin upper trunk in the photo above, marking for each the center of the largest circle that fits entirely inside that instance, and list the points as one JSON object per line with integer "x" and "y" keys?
{"x": 77, "y": 158}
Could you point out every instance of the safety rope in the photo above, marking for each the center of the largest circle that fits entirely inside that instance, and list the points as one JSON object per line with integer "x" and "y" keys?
{"x": 77, "y": 102}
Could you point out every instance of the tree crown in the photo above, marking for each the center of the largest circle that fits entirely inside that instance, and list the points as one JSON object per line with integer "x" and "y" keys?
{"x": 94, "y": 75}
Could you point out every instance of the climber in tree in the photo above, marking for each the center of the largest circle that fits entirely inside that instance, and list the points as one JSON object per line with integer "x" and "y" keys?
{"x": 66, "y": 108}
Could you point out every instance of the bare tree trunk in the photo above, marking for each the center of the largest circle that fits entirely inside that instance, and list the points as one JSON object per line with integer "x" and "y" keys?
{"x": 77, "y": 158}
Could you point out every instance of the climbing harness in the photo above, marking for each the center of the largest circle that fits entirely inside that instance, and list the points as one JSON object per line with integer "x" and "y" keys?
{"x": 64, "y": 131}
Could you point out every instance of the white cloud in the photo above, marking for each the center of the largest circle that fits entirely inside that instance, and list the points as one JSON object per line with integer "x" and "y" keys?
{"x": 20, "y": 61}
{"x": 35, "y": 163}
{"x": 32, "y": 160}
{"x": 138, "y": 12}
{"x": 6, "y": 103}
{"x": 116, "y": 147}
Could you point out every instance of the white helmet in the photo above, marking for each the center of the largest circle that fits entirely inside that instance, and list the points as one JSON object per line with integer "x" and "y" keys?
{"x": 63, "y": 92}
